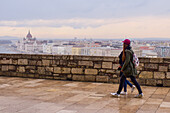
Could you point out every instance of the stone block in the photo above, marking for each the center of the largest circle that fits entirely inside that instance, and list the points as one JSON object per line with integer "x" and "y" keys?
{"x": 103, "y": 70}
{"x": 115, "y": 66}
{"x": 21, "y": 74}
{"x": 146, "y": 74}
{"x": 55, "y": 62}
{"x": 41, "y": 70}
{"x": 21, "y": 69}
{"x": 11, "y": 67}
{"x": 22, "y": 62}
{"x": 39, "y": 63}
{"x": 13, "y": 73}
{"x": 49, "y": 77}
{"x": 48, "y": 73}
{"x": 91, "y": 71}
{"x": 57, "y": 70}
{"x": 151, "y": 82}
{"x": 46, "y": 62}
{"x": 97, "y": 65}
{"x": 79, "y": 57}
{"x": 36, "y": 75}
{"x": 32, "y": 62}
{"x": 107, "y": 65}
{"x": 109, "y": 59}
{"x": 30, "y": 75}
{"x": 114, "y": 76}
{"x": 114, "y": 80}
{"x": 15, "y": 62}
{"x": 140, "y": 67}
{"x": 110, "y": 71}
{"x": 49, "y": 57}
{"x": 78, "y": 77}
{"x": 63, "y": 62}
{"x": 116, "y": 60}
{"x": 30, "y": 67}
{"x": 56, "y": 75}
{"x": 5, "y": 61}
{"x": 159, "y": 75}
{"x": 90, "y": 78}
{"x": 66, "y": 70}
{"x": 50, "y": 69}
{"x": 144, "y": 60}
{"x": 151, "y": 66}
{"x": 4, "y": 68}
{"x": 32, "y": 71}
{"x": 69, "y": 77}
{"x": 156, "y": 60}
{"x": 141, "y": 81}
{"x": 117, "y": 72}
{"x": 72, "y": 63}
{"x": 85, "y": 63}
{"x": 166, "y": 60}
{"x": 102, "y": 79}
{"x": 36, "y": 57}
{"x": 166, "y": 83}
{"x": 1, "y": 73}
{"x": 57, "y": 57}
{"x": 77, "y": 70}
{"x": 96, "y": 58}
{"x": 57, "y": 78}
{"x": 168, "y": 75}
{"x": 71, "y": 57}
{"x": 163, "y": 68}
{"x": 159, "y": 82}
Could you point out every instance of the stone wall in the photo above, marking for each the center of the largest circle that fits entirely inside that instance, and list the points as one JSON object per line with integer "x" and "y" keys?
{"x": 151, "y": 71}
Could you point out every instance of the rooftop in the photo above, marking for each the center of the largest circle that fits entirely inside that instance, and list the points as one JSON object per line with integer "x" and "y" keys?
{"x": 25, "y": 95}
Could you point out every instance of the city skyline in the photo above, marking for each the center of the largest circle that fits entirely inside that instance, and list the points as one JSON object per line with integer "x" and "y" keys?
{"x": 95, "y": 19}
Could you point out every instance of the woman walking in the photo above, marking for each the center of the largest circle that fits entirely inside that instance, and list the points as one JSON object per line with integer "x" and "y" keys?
{"x": 121, "y": 62}
{"x": 128, "y": 69}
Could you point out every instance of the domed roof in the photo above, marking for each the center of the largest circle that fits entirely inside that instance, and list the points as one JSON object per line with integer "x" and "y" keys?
{"x": 29, "y": 35}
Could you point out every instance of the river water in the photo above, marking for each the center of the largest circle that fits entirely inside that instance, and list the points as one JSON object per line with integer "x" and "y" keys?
{"x": 6, "y": 49}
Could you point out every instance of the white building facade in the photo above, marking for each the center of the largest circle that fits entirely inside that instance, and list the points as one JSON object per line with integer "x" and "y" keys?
{"x": 30, "y": 45}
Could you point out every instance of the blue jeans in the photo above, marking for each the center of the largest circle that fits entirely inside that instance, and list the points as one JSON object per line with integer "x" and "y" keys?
{"x": 125, "y": 85}
{"x": 126, "y": 82}
{"x": 133, "y": 79}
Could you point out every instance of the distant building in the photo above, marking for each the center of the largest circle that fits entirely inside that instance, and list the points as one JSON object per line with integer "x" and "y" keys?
{"x": 47, "y": 48}
{"x": 76, "y": 50}
{"x": 31, "y": 45}
{"x": 163, "y": 51}
{"x": 96, "y": 51}
{"x": 61, "y": 50}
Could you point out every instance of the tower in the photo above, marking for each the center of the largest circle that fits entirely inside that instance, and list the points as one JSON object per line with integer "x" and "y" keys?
{"x": 29, "y": 36}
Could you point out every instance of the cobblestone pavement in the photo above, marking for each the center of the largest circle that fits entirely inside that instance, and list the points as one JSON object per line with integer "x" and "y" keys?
{"x": 23, "y": 95}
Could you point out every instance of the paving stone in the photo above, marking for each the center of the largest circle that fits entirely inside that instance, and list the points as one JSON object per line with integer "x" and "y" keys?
{"x": 67, "y": 111}
{"x": 165, "y": 104}
{"x": 163, "y": 110}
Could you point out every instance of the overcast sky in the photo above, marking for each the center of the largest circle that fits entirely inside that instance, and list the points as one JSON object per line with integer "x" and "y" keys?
{"x": 85, "y": 18}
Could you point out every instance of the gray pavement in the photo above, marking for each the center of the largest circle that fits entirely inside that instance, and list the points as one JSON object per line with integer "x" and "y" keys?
{"x": 24, "y": 95}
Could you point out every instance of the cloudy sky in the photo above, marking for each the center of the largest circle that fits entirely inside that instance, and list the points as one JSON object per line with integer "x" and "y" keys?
{"x": 85, "y": 18}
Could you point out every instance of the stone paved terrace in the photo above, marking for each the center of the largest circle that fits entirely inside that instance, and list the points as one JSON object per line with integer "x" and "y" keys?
{"x": 26, "y": 95}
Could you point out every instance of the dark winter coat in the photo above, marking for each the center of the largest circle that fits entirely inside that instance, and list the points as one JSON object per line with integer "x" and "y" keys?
{"x": 128, "y": 67}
